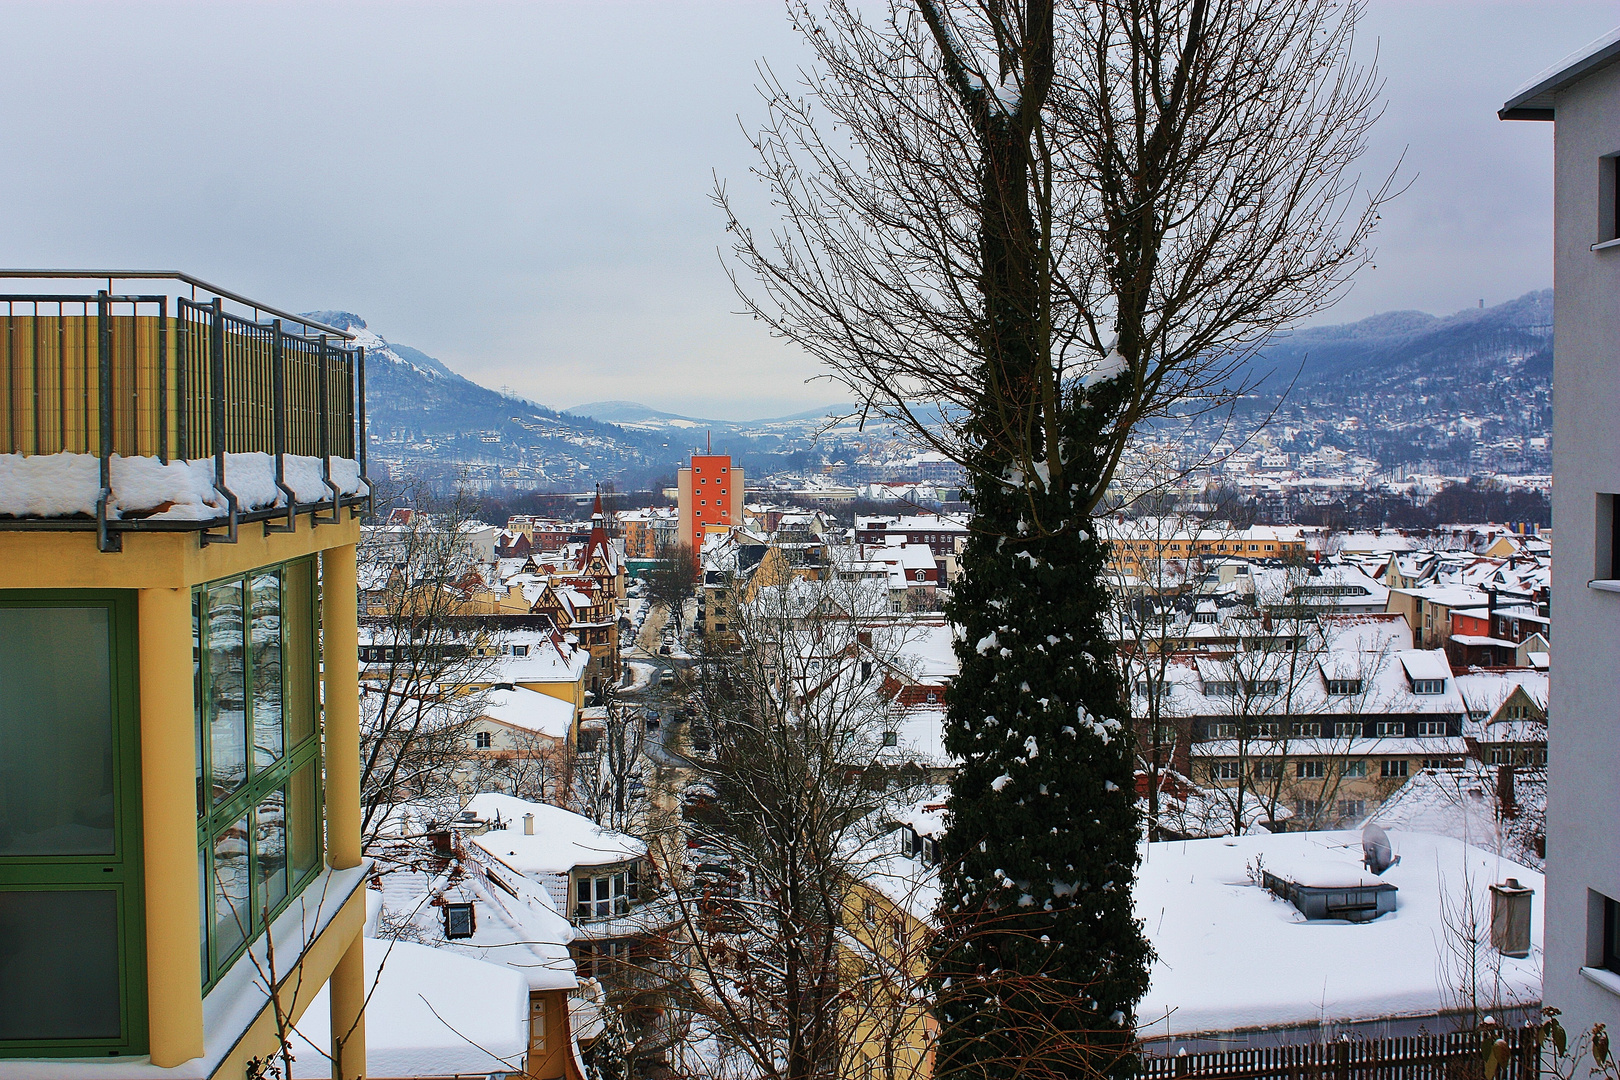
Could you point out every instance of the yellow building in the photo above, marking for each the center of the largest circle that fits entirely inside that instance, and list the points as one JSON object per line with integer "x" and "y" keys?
{"x": 179, "y": 485}
{"x": 886, "y": 1026}
{"x": 1136, "y": 544}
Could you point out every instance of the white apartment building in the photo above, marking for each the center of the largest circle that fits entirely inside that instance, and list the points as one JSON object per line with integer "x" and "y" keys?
{"x": 1582, "y": 963}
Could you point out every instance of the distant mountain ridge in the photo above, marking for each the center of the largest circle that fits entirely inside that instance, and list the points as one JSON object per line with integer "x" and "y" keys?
{"x": 634, "y": 412}
{"x": 1469, "y": 392}
{"x": 1394, "y": 338}
{"x": 1464, "y": 394}
{"x": 435, "y": 424}
{"x": 430, "y": 423}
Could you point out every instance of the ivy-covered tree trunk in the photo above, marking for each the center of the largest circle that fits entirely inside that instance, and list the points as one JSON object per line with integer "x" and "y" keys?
{"x": 1041, "y": 961}
{"x": 1040, "y": 958}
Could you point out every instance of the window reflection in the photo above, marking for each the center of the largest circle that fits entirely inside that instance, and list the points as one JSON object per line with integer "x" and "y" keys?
{"x": 257, "y": 676}
{"x": 229, "y": 890}
{"x": 264, "y": 594}
{"x": 227, "y": 719}
{"x": 303, "y": 823}
{"x": 270, "y": 851}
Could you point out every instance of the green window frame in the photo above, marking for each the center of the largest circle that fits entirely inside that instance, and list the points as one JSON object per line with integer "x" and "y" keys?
{"x": 260, "y": 803}
{"x": 82, "y": 876}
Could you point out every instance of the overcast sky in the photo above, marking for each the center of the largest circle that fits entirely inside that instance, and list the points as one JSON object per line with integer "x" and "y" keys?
{"x": 522, "y": 190}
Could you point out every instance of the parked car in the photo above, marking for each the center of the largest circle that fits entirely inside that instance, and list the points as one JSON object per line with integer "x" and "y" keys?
{"x": 665, "y": 650}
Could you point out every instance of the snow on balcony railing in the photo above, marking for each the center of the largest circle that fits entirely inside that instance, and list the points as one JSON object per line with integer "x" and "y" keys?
{"x": 180, "y": 407}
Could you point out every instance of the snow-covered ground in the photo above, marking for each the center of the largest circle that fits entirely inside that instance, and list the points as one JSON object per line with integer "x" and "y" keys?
{"x": 1232, "y": 956}
{"x": 639, "y": 673}
{"x": 60, "y": 485}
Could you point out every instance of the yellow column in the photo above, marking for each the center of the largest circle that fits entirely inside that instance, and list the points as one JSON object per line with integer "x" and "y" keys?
{"x": 340, "y": 656}
{"x": 169, "y": 814}
{"x": 347, "y": 991}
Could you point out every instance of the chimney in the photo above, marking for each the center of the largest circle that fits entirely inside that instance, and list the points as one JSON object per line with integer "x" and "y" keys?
{"x": 1506, "y": 798}
{"x": 528, "y": 824}
{"x": 441, "y": 841}
{"x": 1511, "y": 906}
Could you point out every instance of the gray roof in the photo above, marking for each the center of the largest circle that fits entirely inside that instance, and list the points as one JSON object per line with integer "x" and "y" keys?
{"x": 1534, "y": 101}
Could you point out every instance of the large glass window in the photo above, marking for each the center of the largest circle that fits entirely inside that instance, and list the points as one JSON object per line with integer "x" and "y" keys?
{"x": 72, "y": 971}
{"x": 258, "y": 773}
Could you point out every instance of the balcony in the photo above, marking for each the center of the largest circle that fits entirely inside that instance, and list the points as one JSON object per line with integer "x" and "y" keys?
{"x": 134, "y": 401}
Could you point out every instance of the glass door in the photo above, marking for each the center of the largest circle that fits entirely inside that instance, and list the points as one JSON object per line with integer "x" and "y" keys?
{"x": 72, "y": 972}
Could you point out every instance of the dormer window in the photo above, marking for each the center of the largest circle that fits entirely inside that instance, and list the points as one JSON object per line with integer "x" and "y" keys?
{"x": 459, "y": 921}
{"x": 1428, "y": 686}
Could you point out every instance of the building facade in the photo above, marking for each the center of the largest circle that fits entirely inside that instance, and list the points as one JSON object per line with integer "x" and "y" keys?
{"x": 710, "y": 494}
{"x": 1582, "y": 966}
{"x": 179, "y": 782}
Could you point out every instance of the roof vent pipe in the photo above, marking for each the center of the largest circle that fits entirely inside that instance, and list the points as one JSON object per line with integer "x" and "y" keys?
{"x": 528, "y": 824}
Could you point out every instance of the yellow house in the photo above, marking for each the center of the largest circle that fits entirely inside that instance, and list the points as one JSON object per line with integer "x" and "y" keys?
{"x": 180, "y": 474}
{"x": 886, "y": 1025}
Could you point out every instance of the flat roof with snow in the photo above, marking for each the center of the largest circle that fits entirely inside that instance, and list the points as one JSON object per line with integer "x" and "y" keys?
{"x": 1232, "y": 957}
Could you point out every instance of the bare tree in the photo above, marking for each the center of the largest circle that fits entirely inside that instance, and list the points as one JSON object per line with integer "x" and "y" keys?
{"x": 424, "y": 655}
{"x": 1291, "y": 705}
{"x": 673, "y": 577}
{"x": 992, "y": 204}
{"x": 613, "y": 762}
{"x": 801, "y": 786}
{"x": 1022, "y": 231}
{"x": 530, "y": 766}
{"x": 1155, "y": 604}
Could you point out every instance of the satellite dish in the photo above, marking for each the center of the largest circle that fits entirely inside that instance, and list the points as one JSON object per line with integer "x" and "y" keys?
{"x": 1376, "y": 852}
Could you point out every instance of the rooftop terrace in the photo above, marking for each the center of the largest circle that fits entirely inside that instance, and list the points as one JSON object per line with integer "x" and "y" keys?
{"x": 151, "y": 400}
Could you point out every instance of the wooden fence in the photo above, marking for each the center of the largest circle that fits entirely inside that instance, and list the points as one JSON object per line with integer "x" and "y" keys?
{"x": 1457, "y": 1056}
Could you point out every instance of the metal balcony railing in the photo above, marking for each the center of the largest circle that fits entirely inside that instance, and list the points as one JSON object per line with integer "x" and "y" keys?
{"x": 185, "y": 371}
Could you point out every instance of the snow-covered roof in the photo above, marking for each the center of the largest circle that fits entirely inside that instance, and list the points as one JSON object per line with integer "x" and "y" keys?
{"x": 547, "y": 661}
{"x": 1230, "y": 955}
{"x": 1459, "y": 803}
{"x": 929, "y": 651}
{"x": 516, "y": 919}
{"x": 561, "y": 841}
{"x": 530, "y": 710}
{"x": 430, "y": 1013}
{"x": 1425, "y": 664}
{"x": 1361, "y": 648}
{"x": 920, "y": 734}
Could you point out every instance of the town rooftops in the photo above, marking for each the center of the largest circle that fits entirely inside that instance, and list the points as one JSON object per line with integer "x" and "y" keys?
{"x": 1425, "y": 665}
{"x": 1534, "y": 101}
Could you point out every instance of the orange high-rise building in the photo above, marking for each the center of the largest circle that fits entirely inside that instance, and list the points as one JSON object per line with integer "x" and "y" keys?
{"x": 711, "y": 493}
